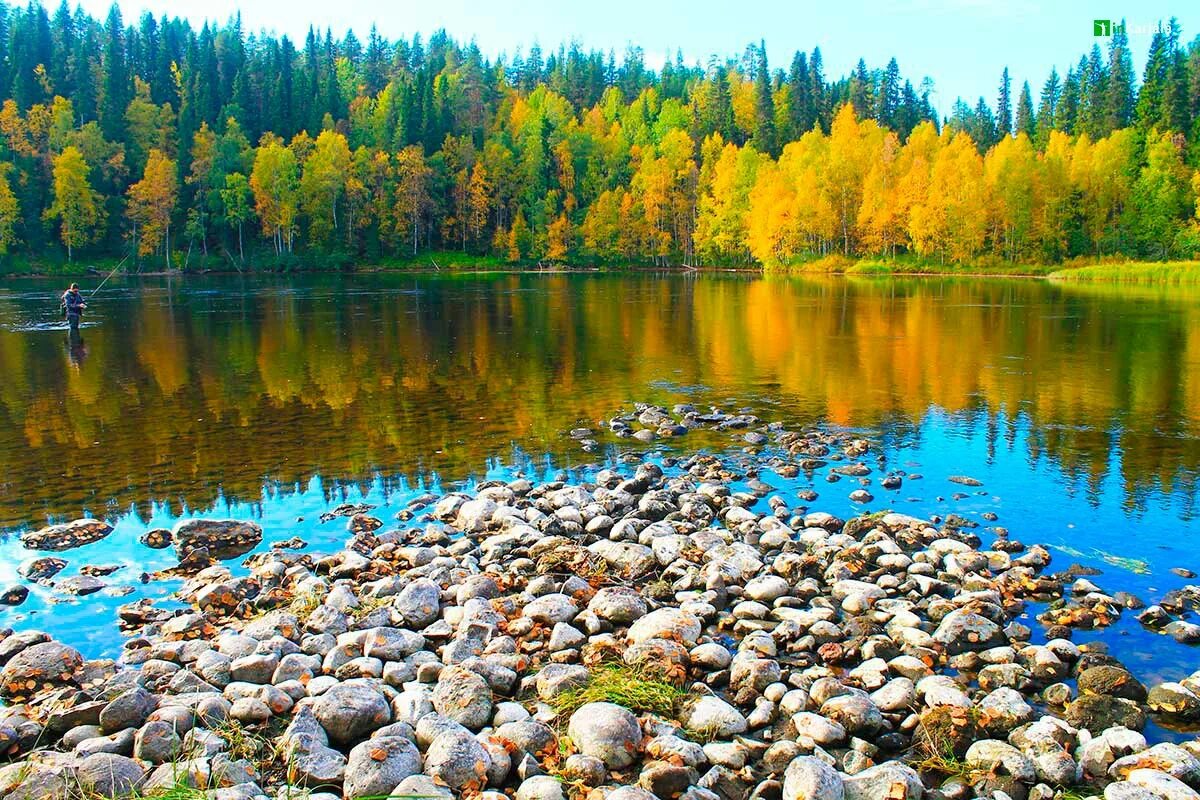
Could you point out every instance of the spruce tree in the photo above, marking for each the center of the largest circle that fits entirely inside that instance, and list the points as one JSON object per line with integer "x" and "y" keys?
{"x": 764, "y": 105}
{"x": 1004, "y": 105}
{"x": 1119, "y": 95}
{"x": 1025, "y": 122}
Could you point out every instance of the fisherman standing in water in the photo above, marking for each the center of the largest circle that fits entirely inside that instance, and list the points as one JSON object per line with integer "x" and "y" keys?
{"x": 73, "y": 305}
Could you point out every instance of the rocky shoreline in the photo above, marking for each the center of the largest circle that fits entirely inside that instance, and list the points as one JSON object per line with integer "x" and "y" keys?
{"x": 676, "y": 629}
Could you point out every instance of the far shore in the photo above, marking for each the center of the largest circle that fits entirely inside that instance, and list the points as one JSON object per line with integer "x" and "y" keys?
{"x": 1139, "y": 272}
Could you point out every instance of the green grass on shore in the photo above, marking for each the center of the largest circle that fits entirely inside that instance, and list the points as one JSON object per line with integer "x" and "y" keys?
{"x": 1143, "y": 272}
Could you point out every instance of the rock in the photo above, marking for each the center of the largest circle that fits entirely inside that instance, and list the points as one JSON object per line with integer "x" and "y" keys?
{"x": 1001, "y": 758}
{"x": 1004, "y": 709}
{"x": 1111, "y": 681}
{"x": 888, "y": 781}
{"x": 156, "y": 743}
{"x": 810, "y": 778}
{"x": 351, "y": 710}
{"x": 421, "y": 786}
{"x": 1120, "y": 790}
{"x": 1098, "y": 712}
{"x": 550, "y": 609}
{"x": 1174, "y": 700}
{"x": 855, "y": 713}
{"x": 713, "y": 718}
{"x": 464, "y": 697}
{"x": 620, "y": 605}
{"x": 79, "y": 585}
{"x": 419, "y": 603}
{"x": 961, "y": 631}
{"x": 818, "y": 730}
{"x": 554, "y": 679}
{"x": 129, "y": 709}
{"x": 964, "y": 480}
{"x": 607, "y": 731}
{"x": 666, "y": 623}
{"x": 457, "y": 760}
{"x": 1162, "y": 785}
{"x": 110, "y": 775}
{"x": 14, "y": 595}
{"x": 157, "y": 538}
{"x": 312, "y": 762}
{"x": 66, "y": 536}
{"x": 1165, "y": 757}
{"x": 223, "y": 538}
{"x": 540, "y": 787}
{"x": 37, "y": 667}
{"x": 377, "y": 765}
{"x": 41, "y": 569}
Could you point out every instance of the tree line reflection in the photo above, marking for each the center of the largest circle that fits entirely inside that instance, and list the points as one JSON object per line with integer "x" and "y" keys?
{"x": 188, "y": 389}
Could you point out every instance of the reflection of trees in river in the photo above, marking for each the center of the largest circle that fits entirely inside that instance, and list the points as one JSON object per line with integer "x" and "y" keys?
{"x": 187, "y": 391}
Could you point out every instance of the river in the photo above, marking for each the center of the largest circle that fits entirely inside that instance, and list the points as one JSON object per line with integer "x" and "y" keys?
{"x": 1078, "y": 407}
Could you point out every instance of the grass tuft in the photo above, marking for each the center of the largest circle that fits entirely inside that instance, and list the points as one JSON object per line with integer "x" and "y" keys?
{"x": 615, "y": 682}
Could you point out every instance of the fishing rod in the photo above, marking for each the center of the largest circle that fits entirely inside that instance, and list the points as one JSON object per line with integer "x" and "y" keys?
{"x": 114, "y": 272}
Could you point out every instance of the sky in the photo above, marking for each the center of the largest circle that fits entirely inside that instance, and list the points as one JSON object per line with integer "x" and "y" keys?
{"x": 961, "y": 44}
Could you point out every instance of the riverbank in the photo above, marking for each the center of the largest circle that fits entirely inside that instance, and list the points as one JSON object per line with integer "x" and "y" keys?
{"x": 451, "y": 262}
{"x": 673, "y": 628}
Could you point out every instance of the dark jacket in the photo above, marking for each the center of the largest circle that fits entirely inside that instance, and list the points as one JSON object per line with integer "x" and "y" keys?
{"x": 74, "y": 303}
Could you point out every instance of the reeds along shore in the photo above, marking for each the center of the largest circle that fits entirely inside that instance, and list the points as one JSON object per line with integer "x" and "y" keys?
{"x": 675, "y": 628}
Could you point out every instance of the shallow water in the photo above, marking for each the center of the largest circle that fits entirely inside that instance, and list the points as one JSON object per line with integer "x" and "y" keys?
{"x": 1078, "y": 407}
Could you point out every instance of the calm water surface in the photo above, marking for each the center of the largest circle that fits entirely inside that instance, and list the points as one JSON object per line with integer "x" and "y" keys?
{"x": 1079, "y": 407}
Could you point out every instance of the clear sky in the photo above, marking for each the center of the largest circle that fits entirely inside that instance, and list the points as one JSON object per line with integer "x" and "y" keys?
{"x": 961, "y": 44}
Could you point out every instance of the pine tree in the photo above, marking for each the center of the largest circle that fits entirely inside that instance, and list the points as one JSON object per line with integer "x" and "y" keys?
{"x": 800, "y": 88}
{"x": 1004, "y": 121}
{"x": 860, "y": 90}
{"x": 764, "y": 105}
{"x": 1119, "y": 95}
{"x": 887, "y": 101}
{"x": 1154, "y": 82}
{"x": 118, "y": 82}
{"x": 1025, "y": 122}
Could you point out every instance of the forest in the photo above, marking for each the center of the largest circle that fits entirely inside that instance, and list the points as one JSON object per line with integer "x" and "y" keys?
{"x": 220, "y": 148}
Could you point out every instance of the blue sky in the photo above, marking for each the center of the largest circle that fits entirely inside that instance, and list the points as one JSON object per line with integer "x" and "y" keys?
{"x": 962, "y": 44}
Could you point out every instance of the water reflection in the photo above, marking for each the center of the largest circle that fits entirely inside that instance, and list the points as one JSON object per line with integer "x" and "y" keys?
{"x": 180, "y": 391}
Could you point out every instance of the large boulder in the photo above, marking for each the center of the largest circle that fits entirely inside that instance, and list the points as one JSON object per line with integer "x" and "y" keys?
{"x": 38, "y": 667}
{"x": 222, "y": 538}
{"x": 66, "y": 535}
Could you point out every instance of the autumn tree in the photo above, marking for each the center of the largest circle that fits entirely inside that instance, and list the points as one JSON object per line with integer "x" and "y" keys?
{"x": 151, "y": 203}
{"x": 275, "y": 184}
{"x": 77, "y": 207}
{"x": 9, "y": 210}
{"x": 323, "y": 184}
